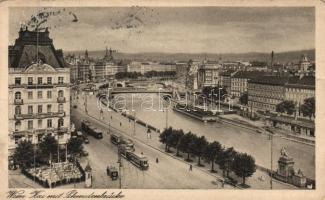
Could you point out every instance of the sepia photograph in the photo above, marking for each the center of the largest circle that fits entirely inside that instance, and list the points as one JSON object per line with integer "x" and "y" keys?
{"x": 149, "y": 97}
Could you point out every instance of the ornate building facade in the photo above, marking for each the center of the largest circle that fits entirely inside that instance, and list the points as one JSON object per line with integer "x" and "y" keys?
{"x": 39, "y": 90}
{"x": 208, "y": 74}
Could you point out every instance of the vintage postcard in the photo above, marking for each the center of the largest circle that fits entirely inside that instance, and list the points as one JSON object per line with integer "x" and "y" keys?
{"x": 187, "y": 100}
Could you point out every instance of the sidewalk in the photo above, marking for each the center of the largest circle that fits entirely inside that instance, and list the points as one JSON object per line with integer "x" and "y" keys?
{"x": 141, "y": 135}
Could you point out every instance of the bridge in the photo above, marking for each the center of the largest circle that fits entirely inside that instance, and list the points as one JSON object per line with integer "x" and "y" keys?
{"x": 140, "y": 90}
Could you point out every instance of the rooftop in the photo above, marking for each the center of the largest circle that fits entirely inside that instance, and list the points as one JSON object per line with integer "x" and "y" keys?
{"x": 270, "y": 80}
{"x": 249, "y": 74}
{"x": 227, "y": 73}
{"x": 307, "y": 82}
{"x": 32, "y": 46}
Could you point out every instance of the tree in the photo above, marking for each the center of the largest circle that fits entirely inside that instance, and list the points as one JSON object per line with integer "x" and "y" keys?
{"x": 186, "y": 144}
{"x": 75, "y": 145}
{"x": 200, "y": 143}
{"x": 243, "y": 165}
{"x": 244, "y": 98}
{"x": 225, "y": 159}
{"x": 211, "y": 152}
{"x": 48, "y": 146}
{"x": 288, "y": 107}
{"x": 308, "y": 108}
{"x": 164, "y": 135}
{"x": 178, "y": 135}
{"x": 24, "y": 154}
{"x": 171, "y": 140}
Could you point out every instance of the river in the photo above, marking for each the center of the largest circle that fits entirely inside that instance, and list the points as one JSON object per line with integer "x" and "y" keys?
{"x": 148, "y": 107}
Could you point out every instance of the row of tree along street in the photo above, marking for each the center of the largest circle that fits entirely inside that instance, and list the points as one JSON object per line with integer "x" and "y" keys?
{"x": 26, "y": 154}
{"x": 242, "y": 164}
{"x": 289, "y": 107}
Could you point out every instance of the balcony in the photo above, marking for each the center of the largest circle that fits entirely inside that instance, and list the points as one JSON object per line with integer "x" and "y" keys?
{"x": 18, "y": 102}
{"x": 32, "y": 86}
{"x": 61, "y": 99}
{"x": 39, "y": 86}
{"x": 62, "y": 129}
{"x": 39, "y": 115}
{"x": 23, "y": 116}
{"x": 60, "y": 114}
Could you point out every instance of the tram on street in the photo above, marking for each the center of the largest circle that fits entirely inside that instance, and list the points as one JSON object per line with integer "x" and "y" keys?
{"x": 119, "y": 139}
{"x": 138, "y": 160}
{"x": 87, "y": 127}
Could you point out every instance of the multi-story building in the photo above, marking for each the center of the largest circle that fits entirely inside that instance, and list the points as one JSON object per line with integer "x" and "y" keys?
{"x": 208, "y": 74}
{"x": 225, "y": 79}
{"x": 39, "y": 93}
{"x": 265, "y": 92}
{"x": 181, "y": 72}
{"x": 99, "y": 70}
{"x": 85, "y": 71}
{"x": 300, "y": 88}
{"x": 239, "y": 82}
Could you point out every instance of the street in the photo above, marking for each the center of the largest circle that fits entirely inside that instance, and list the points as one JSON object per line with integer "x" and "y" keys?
{"x": 168, "y": 173}
{"x": 126, "y": 127}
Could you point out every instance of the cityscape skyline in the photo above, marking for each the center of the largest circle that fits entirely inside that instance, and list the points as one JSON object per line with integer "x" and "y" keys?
{"x": 163, "y": 29}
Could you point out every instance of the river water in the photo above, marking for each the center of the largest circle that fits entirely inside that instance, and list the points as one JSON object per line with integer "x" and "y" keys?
{"x": 149, "y": 108}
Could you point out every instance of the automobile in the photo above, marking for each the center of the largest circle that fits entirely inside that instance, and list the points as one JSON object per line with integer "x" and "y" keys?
{"x": 86, "y": 141}
{"x": 84, "y": 153}
{"x": 112, "y": 172}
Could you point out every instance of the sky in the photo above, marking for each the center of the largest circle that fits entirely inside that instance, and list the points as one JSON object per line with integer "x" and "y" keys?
{"x": 175, "y": 30}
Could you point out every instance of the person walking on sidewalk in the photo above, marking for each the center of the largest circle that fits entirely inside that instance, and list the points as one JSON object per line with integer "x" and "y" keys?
{"x": 191, "y": 167}
{"x": 157, "y": 161}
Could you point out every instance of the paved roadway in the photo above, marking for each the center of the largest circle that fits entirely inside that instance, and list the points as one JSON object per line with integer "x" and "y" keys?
{"x": 168, "y": 173}
{"x": 128, "y": 128}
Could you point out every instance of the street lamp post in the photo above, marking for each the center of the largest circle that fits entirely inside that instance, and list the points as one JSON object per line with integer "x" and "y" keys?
{"x": 212, "y": 100}
{"x": 166, "y": 118}
{"x": 271, "y": 181}
{"x": 120, "y": 166}
{"x": 219, "y": 98}
{"x": 271, "y": 135}
{"x": 134, "y": 122}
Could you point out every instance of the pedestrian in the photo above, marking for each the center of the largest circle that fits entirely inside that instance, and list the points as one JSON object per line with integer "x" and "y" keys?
{"x": 191, "y": 167}
{"x": 120, "y": 123}
{"x": 157, "y": 161}
{"x": 141, "y": 153}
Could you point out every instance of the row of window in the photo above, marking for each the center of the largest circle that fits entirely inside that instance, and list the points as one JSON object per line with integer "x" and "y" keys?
{"x": 39, "y": 94}
{"x": 30, "y": 124}
{"x": 262, "y": 106}
{"x": 275, "y": 95}
{"x": 264, "y": 100}
{"x": 243, "y": 84}
{"x": 265, "y": 87}
{"x": 39, "y": 109}
{"x": 298, "y": 90}
{"x": 30, "y": 80}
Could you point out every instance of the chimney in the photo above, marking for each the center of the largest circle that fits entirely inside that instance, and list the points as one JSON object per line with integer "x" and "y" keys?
{"x": 272, "y": 57}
